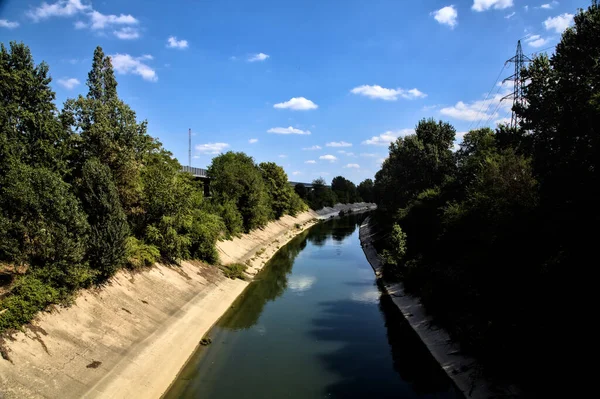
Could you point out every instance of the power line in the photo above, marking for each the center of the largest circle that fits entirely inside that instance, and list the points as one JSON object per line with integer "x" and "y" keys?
{"x": 490, "y": 92}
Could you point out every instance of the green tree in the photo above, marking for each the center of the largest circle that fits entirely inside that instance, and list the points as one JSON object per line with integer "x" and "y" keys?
{"x": 279, "y": 191}
{"x": 109, "y": 230}
{"x": 29, "y": 130}
{"x": 365, "y": 190}
{"x": 301, "y": 190}
{"x": 236, "y": 178}
{"x": 344, "y": 189}
{"x": 321, "y": 195}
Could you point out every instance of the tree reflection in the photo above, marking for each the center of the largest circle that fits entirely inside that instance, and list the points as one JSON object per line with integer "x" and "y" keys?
{"x": 268, "y": 285}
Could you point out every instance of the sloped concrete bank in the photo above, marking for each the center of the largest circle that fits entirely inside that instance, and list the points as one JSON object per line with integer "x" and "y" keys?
{"x": 130, "y": 338}
{"x": 462, "y": 370}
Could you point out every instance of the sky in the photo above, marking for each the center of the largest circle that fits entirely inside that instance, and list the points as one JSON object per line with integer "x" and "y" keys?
{"x": 320, "y": 87}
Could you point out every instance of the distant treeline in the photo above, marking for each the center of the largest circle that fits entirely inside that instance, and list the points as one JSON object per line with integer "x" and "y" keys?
{"x": 497, "y": 238}
{"x": 341, "y": 191}
{"x": 85, "y": 191}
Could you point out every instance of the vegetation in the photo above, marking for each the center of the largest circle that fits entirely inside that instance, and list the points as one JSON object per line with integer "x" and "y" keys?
{"x": 85, "y": 191}
{"x": 490, "y": 235}
{"x": 234, "y": 270}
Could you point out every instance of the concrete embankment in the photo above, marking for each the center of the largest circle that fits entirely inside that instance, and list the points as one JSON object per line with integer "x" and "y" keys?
{"x": 130, "y": 338}
{"x": 463, "y": 370}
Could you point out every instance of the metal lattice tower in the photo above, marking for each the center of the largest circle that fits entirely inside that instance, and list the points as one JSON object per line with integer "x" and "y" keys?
{"x": 517, "y": 95}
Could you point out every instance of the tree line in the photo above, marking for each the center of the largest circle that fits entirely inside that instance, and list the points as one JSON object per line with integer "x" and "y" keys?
{"x": 86, "y": 191}
{"x": 341, "y": 191}
{"x": 496, "y": 238}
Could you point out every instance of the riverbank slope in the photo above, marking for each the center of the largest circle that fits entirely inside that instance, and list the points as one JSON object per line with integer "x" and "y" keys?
{"x": 462, "y": 369}
{"x": 131, "y": 337}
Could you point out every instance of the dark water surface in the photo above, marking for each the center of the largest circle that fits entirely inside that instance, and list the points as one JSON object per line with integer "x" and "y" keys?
{"x": 314, "y": 325}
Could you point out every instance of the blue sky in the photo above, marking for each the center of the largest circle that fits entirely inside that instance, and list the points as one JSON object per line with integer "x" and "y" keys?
{"x": 320, "y": 87}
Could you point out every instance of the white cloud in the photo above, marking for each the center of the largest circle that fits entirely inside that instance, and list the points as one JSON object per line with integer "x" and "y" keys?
{"x": 126, "y": 64}
{"x": 549, "y": 6}
{"x": 349, "y": 154}
{"x": 310, "y": 161}
{"x": 328, "y": 157}
{"x": 378, "y": 92}
{"x": 258, "y": 57}
{"x": 313, "y": 148}
{"x": 536, "y": 41}
{"x": 446, "y": 16}
{"x": 80, "y": 25}
{"x": 296, "y": 173}
{"x": 297, "y": 104}
{"x": 282, "y": 156}
{"x": 172, "y": 42}
{"x": 559, "y": 23}
{"x": 5, "y": 23}
{"x": 509, "y": 16}
{"x": 211, "y": 148}
{"x": 100, "y": 21}
{"x": 368, "y": 155}
{"x": 287, "y": 130}
{"x": 384, "y": 139}
{"x": 252, "y": 141}
{"x": 483, "y": 5}
{"x": 352, "y": 166}
{"x": 127, "y": 33}
{"x": 338, "y": 144}
{"x": 503, "y": 121}
{"x": 526, "y": 8}
{"x": 62, "y": 8}
{"x": 481, "y": 109}
{"x": 69, "y": 83}
{"x": 301, "y": 283}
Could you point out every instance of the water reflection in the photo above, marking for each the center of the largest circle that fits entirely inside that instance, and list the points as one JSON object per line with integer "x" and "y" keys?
{"x": 327, "y": 331}
{"x": 267, "y": 287}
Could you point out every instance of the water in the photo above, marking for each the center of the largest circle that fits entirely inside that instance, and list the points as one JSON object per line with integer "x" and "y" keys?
{"x": 314, "y": 325}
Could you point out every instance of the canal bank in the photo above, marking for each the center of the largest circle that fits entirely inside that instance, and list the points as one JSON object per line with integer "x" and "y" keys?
{"x": 130, "y": 337}
{"x": 463, "y": 370}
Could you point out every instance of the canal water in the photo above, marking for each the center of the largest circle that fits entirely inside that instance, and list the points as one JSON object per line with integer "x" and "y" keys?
{"x": 314, "y": 324}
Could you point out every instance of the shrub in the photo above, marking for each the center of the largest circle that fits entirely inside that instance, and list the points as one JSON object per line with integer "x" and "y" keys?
{"x": 140, "y": 254}
{"x": 234, "y": 270}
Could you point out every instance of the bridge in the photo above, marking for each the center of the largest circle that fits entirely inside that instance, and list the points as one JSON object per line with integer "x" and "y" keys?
{"x": 202, "y": 174}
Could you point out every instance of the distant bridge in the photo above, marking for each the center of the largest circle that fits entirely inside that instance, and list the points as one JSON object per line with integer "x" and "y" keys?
{"x": 202, "y": 174}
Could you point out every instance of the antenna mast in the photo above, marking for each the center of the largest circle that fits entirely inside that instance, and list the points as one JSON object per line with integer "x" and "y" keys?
{"x": 190, "y": 148}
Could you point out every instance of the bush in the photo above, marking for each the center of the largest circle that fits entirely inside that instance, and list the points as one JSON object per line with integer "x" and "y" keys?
{"x": 28, "y": 296}
{"x": 140, "y": 254}
{"x": 234, "y": 270}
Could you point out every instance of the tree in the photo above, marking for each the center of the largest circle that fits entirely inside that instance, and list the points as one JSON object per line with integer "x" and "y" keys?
{"x": 416, "y": 162}
{"x": 301, "y": 190}
{"x": 29, "y": 130}
{"x": 344, "y": 189}
{"x": 321, "y": 195}
{"x": 236, "y": 179}
{"x": 365, "y": 190}
{"x": 108, "y": 224}
{"x": 108, "y": 130}
{"x": 279, "y": 191}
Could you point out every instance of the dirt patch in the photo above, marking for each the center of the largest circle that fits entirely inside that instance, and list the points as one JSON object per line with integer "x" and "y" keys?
{"x": 4, "y": 350}
{"x": 94, "y": 365}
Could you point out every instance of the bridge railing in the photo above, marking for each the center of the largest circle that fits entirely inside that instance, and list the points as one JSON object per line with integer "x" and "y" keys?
{"x": 196, "y": 172}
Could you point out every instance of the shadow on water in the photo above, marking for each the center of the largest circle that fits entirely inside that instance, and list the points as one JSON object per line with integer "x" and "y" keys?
{"x": 357, "y": 362}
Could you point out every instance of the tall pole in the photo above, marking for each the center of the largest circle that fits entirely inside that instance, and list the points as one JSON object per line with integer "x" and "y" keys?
{"x": 190, "y": 149}
{"x": 517, "y": 96}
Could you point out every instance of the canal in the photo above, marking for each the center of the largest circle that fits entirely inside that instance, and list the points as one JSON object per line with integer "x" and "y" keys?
{"x": 314, "y": 324}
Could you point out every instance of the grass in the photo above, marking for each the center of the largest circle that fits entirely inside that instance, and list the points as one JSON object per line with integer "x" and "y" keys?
{"x": 234, "y": 270}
